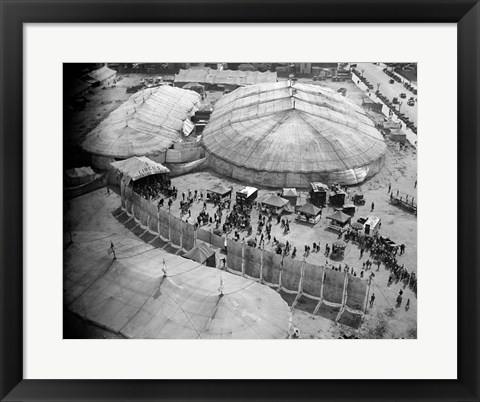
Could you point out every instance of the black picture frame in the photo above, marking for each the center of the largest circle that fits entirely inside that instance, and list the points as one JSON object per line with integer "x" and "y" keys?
{"x": 465, "y": 13}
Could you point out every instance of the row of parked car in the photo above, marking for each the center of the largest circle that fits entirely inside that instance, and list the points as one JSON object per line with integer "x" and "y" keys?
{"x": 363, "y": 79}
{"x": 410, "y": 87}
{"x": 391, "y": 104}
{"x": 394, "y": 77}
{"x": 403, "y": 95}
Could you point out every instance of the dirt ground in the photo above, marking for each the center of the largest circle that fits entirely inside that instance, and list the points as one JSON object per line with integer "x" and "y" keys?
{"x": 94, "y": 212}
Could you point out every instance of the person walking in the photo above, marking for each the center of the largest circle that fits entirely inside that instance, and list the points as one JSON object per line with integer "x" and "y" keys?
{"x": 372, "y": 300}
{"x": 113, "y": 250}
{"x": 389, "y": 187}
{"x": 415, "y": 186}
{"x": 373, "y": 207}
{"x": 407, "y": 306}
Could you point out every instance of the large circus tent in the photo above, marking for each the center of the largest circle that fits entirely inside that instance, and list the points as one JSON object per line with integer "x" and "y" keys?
{"x": 289, "y": 134}
{"x": 147, "y": 124}
{"x": 148, "y": 293}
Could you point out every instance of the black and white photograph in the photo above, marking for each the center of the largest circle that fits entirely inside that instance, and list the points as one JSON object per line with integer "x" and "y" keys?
{"x": 246, "y": 200}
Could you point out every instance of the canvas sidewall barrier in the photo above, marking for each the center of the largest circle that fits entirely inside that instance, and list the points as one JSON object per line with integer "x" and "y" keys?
{"x": 204, "y": 235}
{"x": 272, "y": 264}
{"x": 291, "y": 274}
{"x": 252, "y": 262}
{"x": 175, "y": 231}
{"x": 333, "y": 285}
{"x": 164, "y": 224}
{"x": 188, "y": 238}
{"x": 234, "y": 255}
{"x": 218, "y": 241}
{"x": 312, "y": 280}
{"x": 356, "y": 293}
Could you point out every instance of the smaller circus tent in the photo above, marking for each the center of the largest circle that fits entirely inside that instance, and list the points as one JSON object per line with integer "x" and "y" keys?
{"x": 202, "y": 254}
{"x": 79, "y": 176}
{"x": 148, "y": 123}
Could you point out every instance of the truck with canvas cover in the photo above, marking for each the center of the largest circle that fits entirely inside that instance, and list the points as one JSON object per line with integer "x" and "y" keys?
{"x": 247, "y": 195}
{"x": 318, "y": 194}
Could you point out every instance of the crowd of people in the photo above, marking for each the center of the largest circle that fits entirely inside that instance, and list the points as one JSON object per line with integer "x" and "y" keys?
{"x": 155, "y": 186}
{"x": 227, "y": 217}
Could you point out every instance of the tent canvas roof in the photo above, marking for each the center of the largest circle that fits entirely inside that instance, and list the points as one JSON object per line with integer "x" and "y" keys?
{"x": 289, "y": 192}
{"x": 248, "y": 191}
{"x": 309, "y": 209}
{"x": 192, "y": 85}
{"x": 80, "y": 172}
{"x": 184, "y": 304}
{"x": 246, "y": 67}
{"x": 139, "y": 167}
{"x": 200, "y": 253}
{"x": 275, "y": 201}
{"x": 262, "y": 198}
{"x": 209, "y": 76}
{"x": 220, "y": 189}
{"x": 285, "y": 128}
{"x": 340, "y": 216}
{"x": 100, "y": 74}
{"x": 317, "y": 186}
{"x": 397, "y": 132}
{"x": 392, "y": 124}
{"x": 149, "y": 122}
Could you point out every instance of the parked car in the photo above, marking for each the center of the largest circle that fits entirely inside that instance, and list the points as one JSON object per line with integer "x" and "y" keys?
{"x": 403, "y": 95}
{"x": 411, "y": 102}
{"x": 391, "y": 81}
